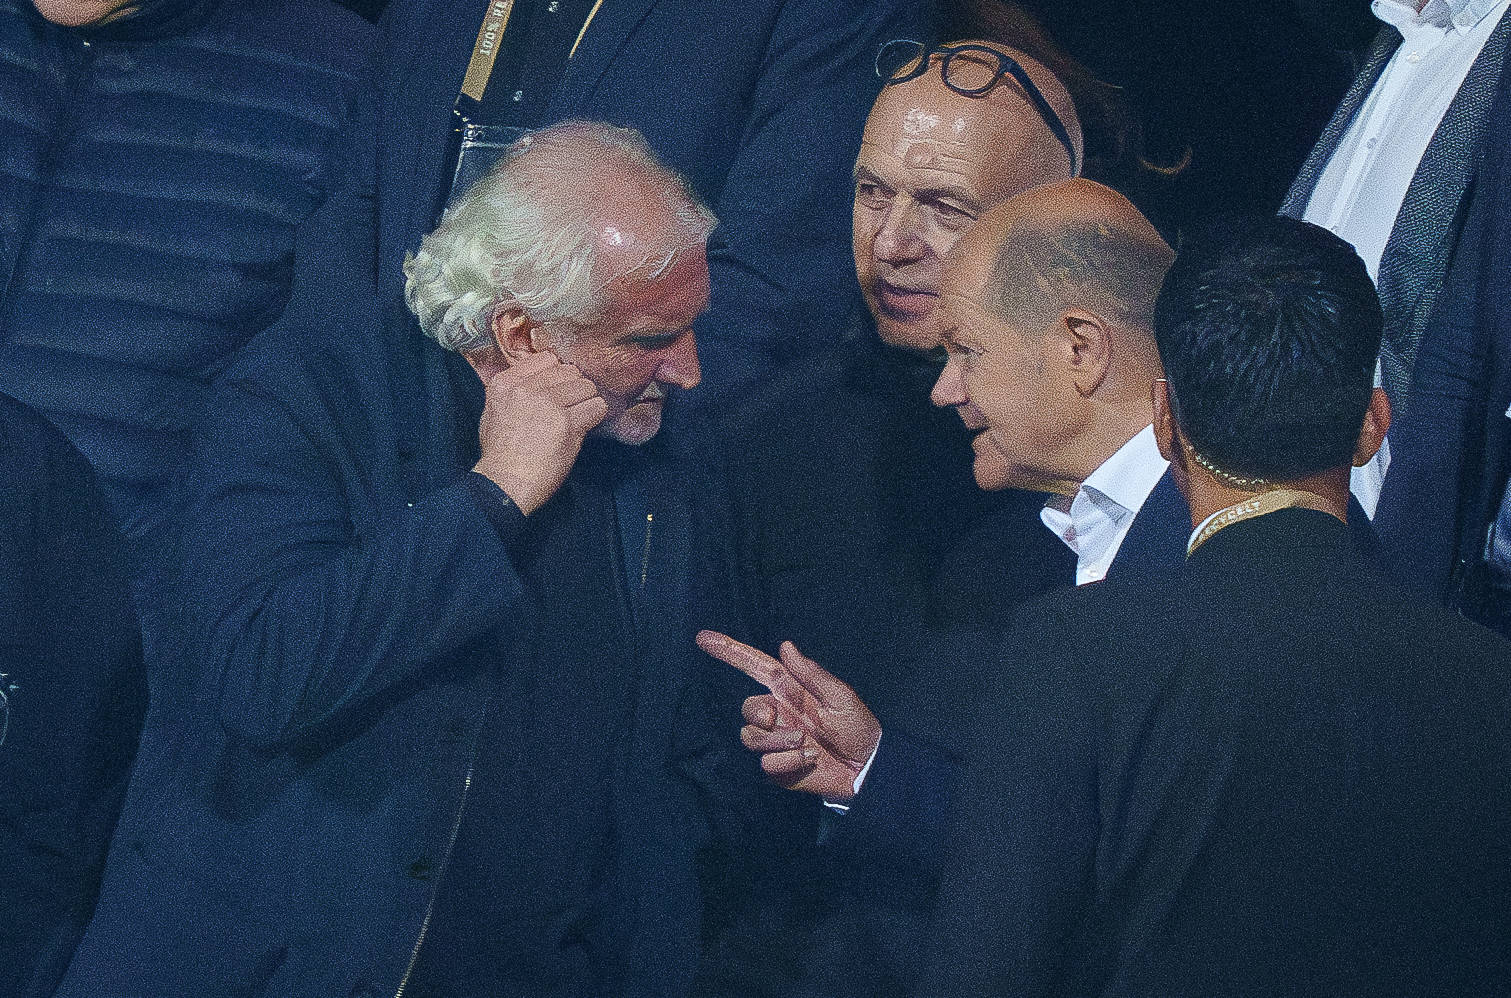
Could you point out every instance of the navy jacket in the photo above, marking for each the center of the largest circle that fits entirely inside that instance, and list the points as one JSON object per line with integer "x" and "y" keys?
{"x": 760, "y": 105}
{"x": 71, "y": 673}
{"x": 154, "y": 173}
{"x": 347, "y": 606}
{"x": 900, "y": 817}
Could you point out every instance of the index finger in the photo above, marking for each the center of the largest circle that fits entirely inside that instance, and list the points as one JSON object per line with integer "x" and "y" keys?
{"x": 753, "y": 662}
{"x": 764, "y": 669}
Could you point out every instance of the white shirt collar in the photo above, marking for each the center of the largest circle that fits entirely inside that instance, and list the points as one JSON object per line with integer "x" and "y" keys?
{"x": 1103, "y": 508}
{"x": 1130, "y": 474}
{"x": 1444, "y": 15}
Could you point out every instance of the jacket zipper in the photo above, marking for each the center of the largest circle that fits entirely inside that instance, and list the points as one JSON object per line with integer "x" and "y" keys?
{"x": 440, "y": 877}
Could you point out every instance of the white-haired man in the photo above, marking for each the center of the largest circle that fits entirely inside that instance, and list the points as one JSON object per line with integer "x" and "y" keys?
{"x": 430, "y": 744}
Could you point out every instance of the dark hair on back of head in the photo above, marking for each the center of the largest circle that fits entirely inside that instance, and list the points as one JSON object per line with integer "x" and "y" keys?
{"x": 1268, "y": 329}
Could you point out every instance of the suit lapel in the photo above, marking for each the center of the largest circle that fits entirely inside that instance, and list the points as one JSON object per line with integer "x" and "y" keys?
{"x": 1385, "y": 45}
{"x": 1421, "y": 241}
{"x": 615, "y": 21}
{"x": 1155, "y": 546}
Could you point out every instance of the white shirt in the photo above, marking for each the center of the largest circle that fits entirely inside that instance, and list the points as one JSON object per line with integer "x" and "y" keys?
{"x": 1364, "y": 184}
{"x": 1098, "y": 517}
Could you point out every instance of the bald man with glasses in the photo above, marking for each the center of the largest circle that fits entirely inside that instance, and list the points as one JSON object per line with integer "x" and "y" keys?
{"x": 852, "y": 521}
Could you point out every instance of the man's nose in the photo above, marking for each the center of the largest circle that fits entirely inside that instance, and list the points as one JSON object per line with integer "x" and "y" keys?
{"x": 680, "y": 366}
{"x": 950, "y": 388}
{"x": 900, "y": 238}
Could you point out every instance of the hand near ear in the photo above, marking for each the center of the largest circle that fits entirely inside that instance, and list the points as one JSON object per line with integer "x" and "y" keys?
{"x": 535, "y": 415}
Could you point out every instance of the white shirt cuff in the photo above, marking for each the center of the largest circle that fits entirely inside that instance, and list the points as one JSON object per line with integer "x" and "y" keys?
{"x": 859, "y": 779}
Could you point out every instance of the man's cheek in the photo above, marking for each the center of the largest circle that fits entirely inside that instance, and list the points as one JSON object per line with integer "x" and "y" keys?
{"x": 990, "y": 467}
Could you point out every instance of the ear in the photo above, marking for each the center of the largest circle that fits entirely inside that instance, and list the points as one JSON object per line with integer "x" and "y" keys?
{"x": 1376, "y": 425}
{"x": 514, "y": 336}
{"x": 1164, "y": 420}
{"x": 1090, "y": 349}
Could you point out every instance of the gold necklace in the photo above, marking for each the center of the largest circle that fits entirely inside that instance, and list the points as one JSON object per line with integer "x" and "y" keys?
{"x": 1265, "y": 502}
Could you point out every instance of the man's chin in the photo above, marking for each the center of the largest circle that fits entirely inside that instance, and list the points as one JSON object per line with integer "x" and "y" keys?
{"x": 920, "y": 334}
{"x": 637, "y": 425}
{"x": 990, "y": 471}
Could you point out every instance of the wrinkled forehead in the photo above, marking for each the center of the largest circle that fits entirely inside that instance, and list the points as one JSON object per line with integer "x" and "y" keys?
{"x": 923, "y": 125}
{"x": 663, "y": 294}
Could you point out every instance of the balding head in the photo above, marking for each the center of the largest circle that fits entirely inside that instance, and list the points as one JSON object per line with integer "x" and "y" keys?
{"x": 1048, "y": 309}
{"x": 931, "y": 162}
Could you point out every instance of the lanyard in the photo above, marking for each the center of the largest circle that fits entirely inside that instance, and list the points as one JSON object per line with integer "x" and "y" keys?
{"x": 485, "y": 50}
{"x": 490, "y": 36}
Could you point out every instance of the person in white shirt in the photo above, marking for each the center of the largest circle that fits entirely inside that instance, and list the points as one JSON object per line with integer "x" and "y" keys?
{"x": 1048, "y": 307}
{"x": 1394, "y": 167}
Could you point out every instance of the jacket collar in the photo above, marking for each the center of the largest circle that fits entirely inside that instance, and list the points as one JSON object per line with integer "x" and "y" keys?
{"x": 153, "y": 20}
{"x": 612, "y": 26}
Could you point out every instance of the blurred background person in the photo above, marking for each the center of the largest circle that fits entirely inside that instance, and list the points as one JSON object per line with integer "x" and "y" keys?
{"x": 159, "y": 156}
{"x": 72, "y": 697}
{"x": 1394, "y": 170}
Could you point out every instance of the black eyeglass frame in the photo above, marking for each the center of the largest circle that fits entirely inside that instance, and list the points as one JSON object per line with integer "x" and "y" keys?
{"x": 1006, "y": 66}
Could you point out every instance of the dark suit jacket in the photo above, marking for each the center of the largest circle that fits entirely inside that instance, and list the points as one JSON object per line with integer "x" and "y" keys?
{"x": 1427, "y": 230}
{"x": 1451, "y": 450}
{"x": 760, "y": 105}
{"x": 897, "y": 823}
{"x": 899, "y": 820}
{"x": 1274, "y": 774}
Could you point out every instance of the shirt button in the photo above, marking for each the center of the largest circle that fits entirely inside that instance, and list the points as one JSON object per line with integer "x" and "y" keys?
{"x": 1371, "y": 143}
{"x": 1413, "y": 57}
{"x": 519, "y": 95}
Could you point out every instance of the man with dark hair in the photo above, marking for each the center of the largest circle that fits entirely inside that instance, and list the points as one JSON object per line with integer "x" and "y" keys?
{"x": 1274, "y": 421}
{"x": 1272, "y": 774}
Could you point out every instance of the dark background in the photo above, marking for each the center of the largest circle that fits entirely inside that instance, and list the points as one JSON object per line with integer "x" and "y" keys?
{"x": 1244, "y": 87}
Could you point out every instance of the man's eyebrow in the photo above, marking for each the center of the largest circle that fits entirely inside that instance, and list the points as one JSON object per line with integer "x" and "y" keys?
{"x": 865, "y": 173}
{"x": 650, "y": 332}
{"x": 960, "y": 194}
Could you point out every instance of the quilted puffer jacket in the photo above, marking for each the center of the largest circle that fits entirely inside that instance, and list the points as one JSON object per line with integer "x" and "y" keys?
{"x": 152, "y": 174}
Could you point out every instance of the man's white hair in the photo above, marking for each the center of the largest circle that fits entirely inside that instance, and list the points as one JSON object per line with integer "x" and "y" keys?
{"x": 529, "y": 232}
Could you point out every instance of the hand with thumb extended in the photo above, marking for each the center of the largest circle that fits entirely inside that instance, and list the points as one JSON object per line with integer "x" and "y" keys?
{"x": 811, "y": 730}
{"x": 536, "y": 413}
